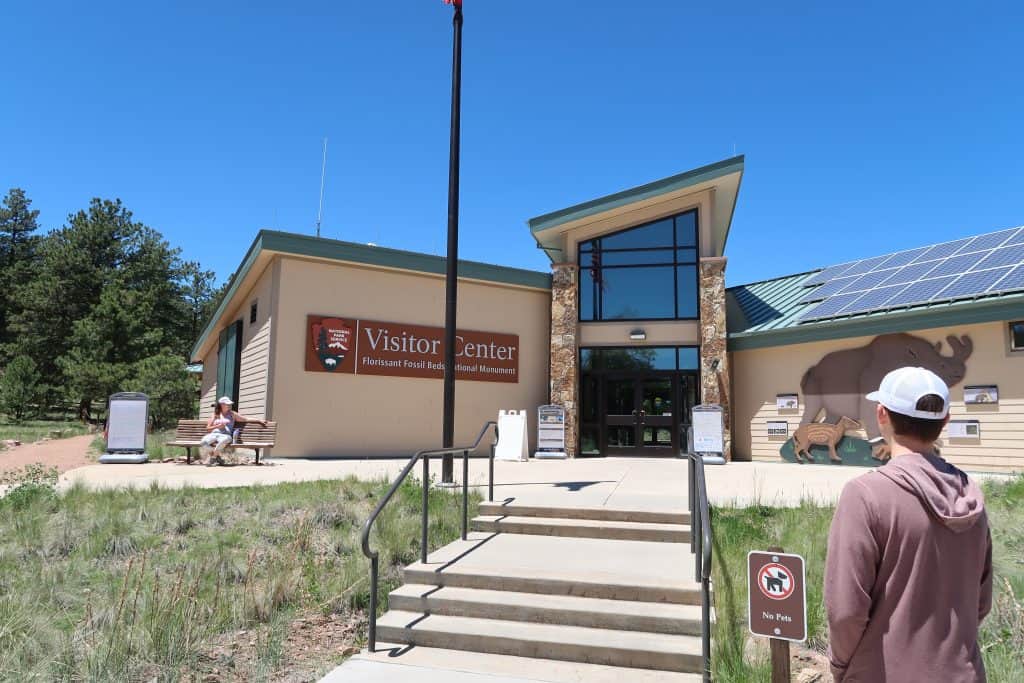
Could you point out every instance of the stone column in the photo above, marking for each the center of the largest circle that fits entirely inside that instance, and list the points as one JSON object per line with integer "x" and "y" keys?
{"x": 714, "y": 380}
{"x": 564, "y": 354}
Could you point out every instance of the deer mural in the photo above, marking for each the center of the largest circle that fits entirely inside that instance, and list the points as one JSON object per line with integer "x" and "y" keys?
{"x": 840, "y": 380}
{"x": 821, "y": 434}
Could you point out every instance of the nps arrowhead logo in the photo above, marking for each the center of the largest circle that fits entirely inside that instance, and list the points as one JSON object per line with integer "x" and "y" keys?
{"x": 332, "y": 340}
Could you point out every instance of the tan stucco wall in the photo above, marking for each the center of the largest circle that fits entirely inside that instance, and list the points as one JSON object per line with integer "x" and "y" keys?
{"x": 323, "y": 414}
{"x": 760, "y": 374}
{"x": 254, "y": 370}
{"x": 659, "y": 333}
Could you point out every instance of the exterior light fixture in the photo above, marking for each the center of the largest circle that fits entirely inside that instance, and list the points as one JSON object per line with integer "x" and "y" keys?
{"x": 637, "y": 335}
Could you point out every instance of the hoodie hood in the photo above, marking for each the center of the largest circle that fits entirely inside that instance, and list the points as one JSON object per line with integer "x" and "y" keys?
{"x": 951, "y": 496}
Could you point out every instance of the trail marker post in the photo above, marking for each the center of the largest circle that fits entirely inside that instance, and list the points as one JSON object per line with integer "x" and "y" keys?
{"x": 777, "y": 604}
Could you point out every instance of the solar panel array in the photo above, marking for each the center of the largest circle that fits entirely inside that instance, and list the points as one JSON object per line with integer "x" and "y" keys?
{"x": 967, "y": 268}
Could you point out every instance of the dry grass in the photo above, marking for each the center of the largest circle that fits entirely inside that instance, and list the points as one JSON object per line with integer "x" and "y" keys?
{"x": 196, "y": 584}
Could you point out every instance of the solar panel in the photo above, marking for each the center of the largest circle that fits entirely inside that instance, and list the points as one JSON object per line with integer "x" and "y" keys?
{"x": 866, "y": 265}
{"x": 827, "y": 290}
{"x": 955, "y": 265}
{"x": 1003, "y": 256}
{"x": 989, "y": 241}
{"x": 973, "y": 284}
{"x": 914, "y": 271}
{"x": 1017, "y": 239}
{"x": 968, "y": 267}
{"x": 828, "y": 274}
{"x": 903, "y": 258}
{"x": 1015, "y": 280}
{"x": 873, "y": 300}
{"x": 919, "y": 292}
{"x": 869, "y": 281}
{"x": 830, "y": 306}
{"x": 942, "y": 250}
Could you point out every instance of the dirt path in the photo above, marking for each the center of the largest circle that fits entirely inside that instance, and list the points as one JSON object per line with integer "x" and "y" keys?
{"x": 64, "y": 454}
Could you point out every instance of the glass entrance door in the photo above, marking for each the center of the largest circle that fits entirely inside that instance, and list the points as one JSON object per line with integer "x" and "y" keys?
{"x": 640, "y": 416}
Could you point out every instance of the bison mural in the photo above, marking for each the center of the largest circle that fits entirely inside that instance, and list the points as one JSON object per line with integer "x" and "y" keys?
{"x": 838, "y": 383}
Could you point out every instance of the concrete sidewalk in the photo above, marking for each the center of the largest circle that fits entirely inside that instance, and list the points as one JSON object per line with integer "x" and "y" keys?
{"x": 622, "y": 483}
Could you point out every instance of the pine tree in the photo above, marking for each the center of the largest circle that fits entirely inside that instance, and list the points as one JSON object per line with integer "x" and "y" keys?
{"x": 17, "y": 254}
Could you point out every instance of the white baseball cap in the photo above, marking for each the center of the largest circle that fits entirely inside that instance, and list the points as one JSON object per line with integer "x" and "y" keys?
{"x": 902, "y": 388}
{"x": 226, "y": 401}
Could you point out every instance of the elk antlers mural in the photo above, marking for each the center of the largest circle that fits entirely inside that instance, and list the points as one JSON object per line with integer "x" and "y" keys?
{"x": 840, "y": 380}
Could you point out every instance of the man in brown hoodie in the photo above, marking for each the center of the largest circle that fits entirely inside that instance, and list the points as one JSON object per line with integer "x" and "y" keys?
{"x": 908, "y": 578}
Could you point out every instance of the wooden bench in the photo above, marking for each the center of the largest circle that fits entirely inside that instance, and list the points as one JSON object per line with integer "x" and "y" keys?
{"x": 251, "y": 435}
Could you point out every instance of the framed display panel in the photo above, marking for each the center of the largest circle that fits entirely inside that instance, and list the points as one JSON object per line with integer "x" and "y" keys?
{"x": 778, "y": 430}
{"x": 964, "y": 429}
{"x": 981, "y": 394}
{"x": 127, "y": 421}
{"x": 787, "y": 402}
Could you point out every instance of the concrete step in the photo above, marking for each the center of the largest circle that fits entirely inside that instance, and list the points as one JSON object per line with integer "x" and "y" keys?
{"x": 585, "y": 585}
{"x": 566, "y": 610}
{"x": 546, "y": 641}
{"x": 601, "y": 514}
{"x": 583, "y": 528}
{"x": 400, "y": 664}
{"x": 641, "y": 571}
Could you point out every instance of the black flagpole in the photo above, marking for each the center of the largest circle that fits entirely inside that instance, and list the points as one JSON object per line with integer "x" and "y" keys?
{"x": 452, "y": 274}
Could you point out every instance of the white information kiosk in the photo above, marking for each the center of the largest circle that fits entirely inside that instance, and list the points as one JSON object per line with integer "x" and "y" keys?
{"x": 708, "y": 433}
{"x": 127, "y": 425}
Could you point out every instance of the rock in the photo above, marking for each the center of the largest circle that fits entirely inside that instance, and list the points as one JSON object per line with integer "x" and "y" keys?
{"x": 809, "y": 676}
{"x": 11, "y": 443}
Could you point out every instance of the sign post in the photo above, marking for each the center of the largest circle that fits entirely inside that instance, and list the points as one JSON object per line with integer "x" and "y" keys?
{"x": 777, "y": 604}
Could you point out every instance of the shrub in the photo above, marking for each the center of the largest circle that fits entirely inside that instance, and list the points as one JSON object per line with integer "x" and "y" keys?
{"x": 30, "y": 484}
{"x": 20, "y": 388}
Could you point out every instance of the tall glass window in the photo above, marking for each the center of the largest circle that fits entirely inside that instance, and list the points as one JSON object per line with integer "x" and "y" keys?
{"x": 644, "y": 273}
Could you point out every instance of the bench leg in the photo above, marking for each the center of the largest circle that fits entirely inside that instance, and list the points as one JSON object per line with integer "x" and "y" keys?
{"x": 258, "y": 455}
{"x": 188, "y": 455}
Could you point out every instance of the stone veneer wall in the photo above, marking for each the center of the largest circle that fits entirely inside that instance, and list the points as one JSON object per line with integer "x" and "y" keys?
{"x": 714, "y": 383}
{"x": 564, "y": 353}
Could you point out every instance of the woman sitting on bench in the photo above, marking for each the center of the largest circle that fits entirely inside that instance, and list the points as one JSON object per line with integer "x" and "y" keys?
{"x": 220, "y": 431}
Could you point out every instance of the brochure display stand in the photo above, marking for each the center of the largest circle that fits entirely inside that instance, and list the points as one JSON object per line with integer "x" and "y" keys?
{"x": 550, "y": 432}
{"x": 512, "y": 441}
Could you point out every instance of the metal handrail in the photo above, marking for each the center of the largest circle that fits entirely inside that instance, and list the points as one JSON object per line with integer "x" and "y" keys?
{"x": 700, "y": 544}
{"x": 426, "y": 455}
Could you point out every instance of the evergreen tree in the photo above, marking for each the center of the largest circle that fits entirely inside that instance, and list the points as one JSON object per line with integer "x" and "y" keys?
{"x": 17, "y": 253}
{"x": 107, "y": 292}
{"x": 20, "y": 388}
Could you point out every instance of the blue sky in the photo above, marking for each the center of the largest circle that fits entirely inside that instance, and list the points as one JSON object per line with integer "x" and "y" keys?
{"x": 867, "y": 127}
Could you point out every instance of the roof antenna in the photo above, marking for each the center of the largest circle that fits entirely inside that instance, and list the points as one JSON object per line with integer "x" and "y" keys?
{"x": 323, "y": 172}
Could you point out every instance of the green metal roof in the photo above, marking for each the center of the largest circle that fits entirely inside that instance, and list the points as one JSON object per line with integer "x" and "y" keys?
{"x": 767, "y": 313}
{"x": 317, "y": 247}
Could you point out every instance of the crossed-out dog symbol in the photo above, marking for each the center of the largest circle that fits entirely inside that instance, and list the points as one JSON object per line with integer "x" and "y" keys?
{"x": 775, "y": 581}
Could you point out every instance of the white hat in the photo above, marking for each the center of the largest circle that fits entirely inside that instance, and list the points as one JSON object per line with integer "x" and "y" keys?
{"x": 902, "y": 388}
{"x": 226, "y": 401}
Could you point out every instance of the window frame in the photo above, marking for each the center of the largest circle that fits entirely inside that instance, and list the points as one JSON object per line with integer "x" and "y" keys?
{"x": 1009, "y": 328}
{"x": 596, "y": 296}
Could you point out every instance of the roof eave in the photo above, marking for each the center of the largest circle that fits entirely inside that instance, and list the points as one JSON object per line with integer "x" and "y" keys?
{"x": 962, "y": 313}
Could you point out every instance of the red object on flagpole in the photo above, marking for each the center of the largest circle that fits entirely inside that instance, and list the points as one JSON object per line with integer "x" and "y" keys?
{"x": 457, "y": 3}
